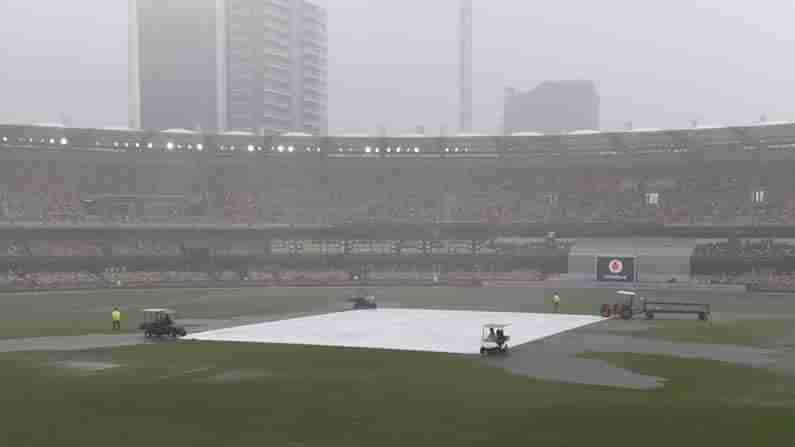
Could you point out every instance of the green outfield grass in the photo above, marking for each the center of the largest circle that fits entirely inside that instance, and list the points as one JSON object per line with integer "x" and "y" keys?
{"x": 760, "y": 333}
{"x": 197, "y": 394}
{"x": 38, "y": 314}
{"x": 215, "y": 394}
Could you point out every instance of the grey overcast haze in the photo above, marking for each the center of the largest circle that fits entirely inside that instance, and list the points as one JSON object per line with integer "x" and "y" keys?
{"x": 394, "y": 63}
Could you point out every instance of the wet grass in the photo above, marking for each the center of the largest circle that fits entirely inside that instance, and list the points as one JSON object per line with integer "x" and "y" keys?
{"x": 41, "y": 314}
{"x": 760, "y": 333}
{"x": 304, "y": 396}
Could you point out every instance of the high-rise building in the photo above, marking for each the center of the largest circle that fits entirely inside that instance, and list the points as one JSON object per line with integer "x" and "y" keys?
{"x": 553, "y": 107}
{"x": 218, "y": 65}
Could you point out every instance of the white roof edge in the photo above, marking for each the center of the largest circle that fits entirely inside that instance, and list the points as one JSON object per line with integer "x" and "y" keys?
{"x": 646, "y": 129}
{"x": 59, "y": 125}
{"x": 771, "y": 123}
{"x": 237, "y": 132}
{"x": 120, "y": 129}
{"x": 353, "y": 135}
{"x": 527, "y": 134}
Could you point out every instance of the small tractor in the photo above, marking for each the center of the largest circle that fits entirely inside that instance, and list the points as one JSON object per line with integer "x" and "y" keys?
{"x": 629, "y": 304}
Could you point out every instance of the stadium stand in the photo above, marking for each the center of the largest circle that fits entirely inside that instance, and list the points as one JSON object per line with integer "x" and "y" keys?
{"x": 765, "y": 264}
{"x": 710, "y": 176}
{"x": 58, "y": 280}
{"x": 54, "y": 177}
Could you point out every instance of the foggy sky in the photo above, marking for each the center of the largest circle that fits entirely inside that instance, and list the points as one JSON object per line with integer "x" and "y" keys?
{"x": 394, "y": 62}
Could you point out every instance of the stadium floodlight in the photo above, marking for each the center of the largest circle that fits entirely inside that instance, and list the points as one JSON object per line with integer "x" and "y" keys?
{"x": 377, "y": 150}
{"x": 64, "y": 141}
{"x": 291, "y": 149}
{"x": 170, "y": 146}
{"x": 398, "y": 150}
{"x": 139, "y": 145}
{"x": 52, "y": 140}
{"x": 199, "y": 147}
{"x": 317, "y": 150}
{"x": 309, "y": 149}
{"x": 389, "y": 150}
{"x": 126, "y": 144}
{"x": 456, "y": 150}
{"x": 5, "y": 139}
{"x": 250, "y": 148}
{"x": 447, "y": 149}
{"x": 280, "y": 149}
{"x": 368, "y": 149}
{"x": 150, "y": 145}
{"x": 416, "y": 150}
{"x": 115, "y": 144}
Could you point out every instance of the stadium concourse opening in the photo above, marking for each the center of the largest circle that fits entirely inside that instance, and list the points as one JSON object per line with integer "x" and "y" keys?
{"x": 447, "y": 331}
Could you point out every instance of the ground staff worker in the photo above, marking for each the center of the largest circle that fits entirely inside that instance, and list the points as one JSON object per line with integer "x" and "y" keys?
{"x": 116, "y": 316}
{"x": 556, "y": 302}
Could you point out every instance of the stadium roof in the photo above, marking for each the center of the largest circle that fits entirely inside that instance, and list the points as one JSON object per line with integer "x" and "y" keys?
{"x": 779, "y": 136}
{"x": 353, "y": 135}
{"x": 237, "y": 132}
{"x": 61, "y": 125}
{"x": 527, "y": 134}
{"x": 647, "y": 129}
{"x": 773, "y": 123}
{"x": 120, "y": 129}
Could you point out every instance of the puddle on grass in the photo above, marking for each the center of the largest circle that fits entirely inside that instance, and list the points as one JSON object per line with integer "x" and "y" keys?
{"x": 87, "y": 367}
{"x": 237, "y": 376}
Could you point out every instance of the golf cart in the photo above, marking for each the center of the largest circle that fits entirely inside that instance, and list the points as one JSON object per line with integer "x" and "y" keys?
{"x": 493, "y": 339}
{"x": 160, "y": 323}
{"x": 363, "y": 301}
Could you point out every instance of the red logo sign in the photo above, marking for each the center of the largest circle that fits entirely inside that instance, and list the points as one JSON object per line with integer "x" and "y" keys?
{"x": 616, "y": 266}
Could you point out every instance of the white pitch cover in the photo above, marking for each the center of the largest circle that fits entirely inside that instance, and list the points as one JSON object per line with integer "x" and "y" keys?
{"x": 455, "y": 332}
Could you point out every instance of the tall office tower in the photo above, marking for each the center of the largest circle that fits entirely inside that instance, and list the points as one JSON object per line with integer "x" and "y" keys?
{"x": 465, "y": 69}
{"x": 553, "y": 107}
{"x": 218, "y": 65}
